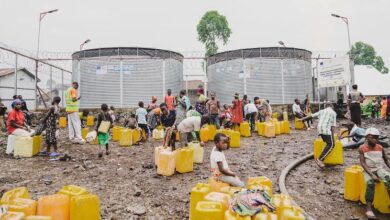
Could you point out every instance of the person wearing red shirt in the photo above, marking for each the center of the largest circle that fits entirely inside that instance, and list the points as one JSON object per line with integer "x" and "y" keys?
{"x": 16, "y": 124}
{"x": 170, "y": 100}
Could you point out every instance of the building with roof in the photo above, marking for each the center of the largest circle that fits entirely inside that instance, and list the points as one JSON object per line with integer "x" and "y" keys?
{"x": 24, "y": 82}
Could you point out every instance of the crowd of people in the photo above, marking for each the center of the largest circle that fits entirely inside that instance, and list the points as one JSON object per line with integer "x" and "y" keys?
{"x": 176, "y": 114}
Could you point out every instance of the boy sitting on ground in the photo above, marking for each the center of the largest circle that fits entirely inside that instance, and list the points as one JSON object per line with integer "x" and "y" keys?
{"x": 372, "y": 158}
{"x": 219, "y": 165}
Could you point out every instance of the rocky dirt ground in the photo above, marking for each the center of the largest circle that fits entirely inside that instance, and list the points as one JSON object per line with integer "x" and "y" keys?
{"x": 129, "y": 188}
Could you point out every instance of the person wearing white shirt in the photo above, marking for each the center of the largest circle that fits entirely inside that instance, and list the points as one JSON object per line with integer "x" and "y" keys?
{"x": 219, "y": 166}
{"x": 250, "y": 110}
{"x": 297, "y": 111}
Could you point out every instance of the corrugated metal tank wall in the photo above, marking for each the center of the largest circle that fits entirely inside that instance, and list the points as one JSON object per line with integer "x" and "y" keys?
{"x": 142, "y": 78}
{"x": 264, "y": 81}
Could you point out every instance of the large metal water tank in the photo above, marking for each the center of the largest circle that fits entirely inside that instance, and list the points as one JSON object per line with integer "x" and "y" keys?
{"x": 274, "y": 73}
{"x": 125, "y": 75}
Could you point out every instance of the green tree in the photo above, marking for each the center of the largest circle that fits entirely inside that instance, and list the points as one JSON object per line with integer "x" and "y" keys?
{"x": 212, "y": 28}
{"x": 364, "y": 54}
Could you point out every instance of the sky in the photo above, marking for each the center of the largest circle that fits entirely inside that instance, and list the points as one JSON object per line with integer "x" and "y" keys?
{"x": 171, "y": 24}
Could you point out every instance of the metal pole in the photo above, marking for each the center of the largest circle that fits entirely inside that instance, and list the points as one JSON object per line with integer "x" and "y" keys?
{"x": 62, "y": 88}
{"x": 318, "y": 88}
{"x": 282, "y": 69}
{"x": 205, "y": 77}
{"x": 186, "y": 78}
{"x": 39, "y": 33}
{"x": 163, "y": 80}
{"x": 51, "y": 83}
{"x": 350, "y": 53}
{"x": 16, "y": 74}
{"x": 78, "y": 77}
{"x": 244, "y": 72}
{"x": 36, "y": 84}
{"x": 121, "y": 84}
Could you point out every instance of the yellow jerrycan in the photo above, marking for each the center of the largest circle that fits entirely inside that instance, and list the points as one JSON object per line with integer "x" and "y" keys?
{"x": 197, "y": 194}
{"x": 158, "y": 134}
{"x": 285, "y": 127}
{"x": 56, "y": 206}
{"x": 216, "y": 185}
{"x": 184, "y": 159}
{"x": 84, "y": 132}
{"x": 352, "y": 183}
{"x": 38, "y": 217}
{"x": 265, "y": 215}
{"x": 298, "y": 124}
{"x": 90, "y": 120}
{"x": 85, "y": 207}
{"x": 277, "y": 128}
{"x": 281, "y": 203}
{"x": 10, "y": 196}
{"x": 177, "y": 136}
{"x": 12, "y": 216}
{"x": 157, "y": 151}
{"x": 166, "y": 163}
{"x": 126, "y": 138}
{"x": 73, "y": 190}
{"x": 260, "y": 180}
{"x": 260, "y": 128}
{"x": 381, "y": 197}
{"x": 212, "y": 132}
{"x": 234, "y": 139}
{"x": 136, "y": 135}
{"x": 245, "y": 129}
{"x": 269, "y": 130}
{"x": 229, "y": 215}
{"x": 335, "y": 157}
{"x": 204, "y": 134}
{"x": 207, "y": 210}
{"x": 198, "y": 151}
{"x": 116, "y": 133}
{"x": 285, "y": 116}
{"x": 24, "y": 147}
{"x": 27, "y": 206}
{"x": 62, "y": 122}
{"x": 292, "y": 213}
{"x": 219, "y": 197}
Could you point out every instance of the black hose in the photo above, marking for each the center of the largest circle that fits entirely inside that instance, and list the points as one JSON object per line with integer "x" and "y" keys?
{"x": 283, "y": 175}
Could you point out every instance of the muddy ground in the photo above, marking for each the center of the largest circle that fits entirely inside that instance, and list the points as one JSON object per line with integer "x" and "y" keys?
{"x": 129, "y": 187}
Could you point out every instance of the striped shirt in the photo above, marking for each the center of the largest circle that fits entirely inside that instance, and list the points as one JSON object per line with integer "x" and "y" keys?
{"x": 327, "y": 120}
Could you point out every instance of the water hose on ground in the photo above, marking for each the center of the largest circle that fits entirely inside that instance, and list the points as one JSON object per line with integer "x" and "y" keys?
{"x": 285, "y": 171}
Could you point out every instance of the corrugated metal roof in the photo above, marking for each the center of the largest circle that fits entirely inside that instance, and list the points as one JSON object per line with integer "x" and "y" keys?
{"x": 9, "y": 71}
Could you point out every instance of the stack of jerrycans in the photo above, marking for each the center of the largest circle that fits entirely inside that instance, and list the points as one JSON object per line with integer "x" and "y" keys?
{"x": 83, "y": 205}
{"x": 18, "y": 200}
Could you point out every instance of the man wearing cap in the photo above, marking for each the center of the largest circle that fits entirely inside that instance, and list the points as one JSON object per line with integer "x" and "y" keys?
{"x": 373, "y": 158}
{"x": 325, "y": 128}
{"x": 72, "y": 109}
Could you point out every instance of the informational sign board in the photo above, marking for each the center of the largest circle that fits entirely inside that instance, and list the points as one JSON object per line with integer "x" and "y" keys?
{"x": 334, "y": 72}
{"x": 104, "y": 69}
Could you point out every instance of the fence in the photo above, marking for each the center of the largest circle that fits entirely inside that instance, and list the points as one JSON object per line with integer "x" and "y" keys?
{"x": 36, "y": 80}
{"x": 54, "y": 74}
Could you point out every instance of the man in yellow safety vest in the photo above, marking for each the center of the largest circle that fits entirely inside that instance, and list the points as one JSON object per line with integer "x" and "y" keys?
{"x": 72, "y": 109}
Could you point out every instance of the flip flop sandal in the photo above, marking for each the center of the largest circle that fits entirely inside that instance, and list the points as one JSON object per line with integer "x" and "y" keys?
{"x": 370, "y": 215}
{"x": 43, "y": 153}
{"x": 318, "y": 164}
{"x": 54, "y": 154}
